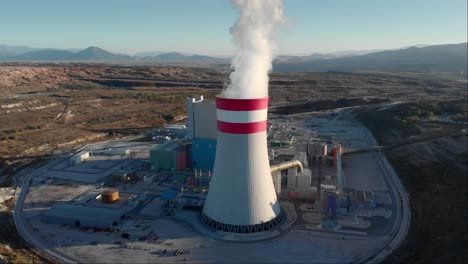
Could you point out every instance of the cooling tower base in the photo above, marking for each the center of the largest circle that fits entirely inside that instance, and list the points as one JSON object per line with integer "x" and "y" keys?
{"x": 241, "y": 228}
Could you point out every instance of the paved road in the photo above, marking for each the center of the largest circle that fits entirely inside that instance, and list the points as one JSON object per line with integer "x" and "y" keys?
{"x": 25, "y": 230}
{"x": 401, "y": 207}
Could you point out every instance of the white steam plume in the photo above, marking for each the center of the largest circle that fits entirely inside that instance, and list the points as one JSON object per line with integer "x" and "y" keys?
{"x": 253, "y": 35}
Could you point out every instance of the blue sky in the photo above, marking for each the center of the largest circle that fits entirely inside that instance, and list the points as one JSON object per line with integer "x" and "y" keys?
{"x": 202, "y": 26}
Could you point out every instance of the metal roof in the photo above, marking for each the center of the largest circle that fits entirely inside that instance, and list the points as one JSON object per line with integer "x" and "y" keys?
{"x": 101, "y": 215}
{"x": 167, "y": 146}
{"x": 169, "y": 195}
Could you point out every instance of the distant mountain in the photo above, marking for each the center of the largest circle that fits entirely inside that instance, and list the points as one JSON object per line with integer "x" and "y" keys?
{"x": 170, "y": 56}
{"x": 315, "y": 56}
{"x": 417, "y": 46}
{"x": 95, "y": 53}
{"x": 148, "y": 53}
{"x": 176, "y": 57}
{"x": 100, "y": 55}
{"x": 156, "y": 53}
{"x": 324, "y": 56}
{"x": 88, "y": 54}
{"x": 335, "y": 54}
{"x": 351, "y": 53}
{"x": 6, "y": 50}
{"x": 44, "y": 55}
{"x": 449, "y": 58}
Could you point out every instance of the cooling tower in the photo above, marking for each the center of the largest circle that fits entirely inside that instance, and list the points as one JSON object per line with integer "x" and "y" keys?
{"x": 241, "y": 196}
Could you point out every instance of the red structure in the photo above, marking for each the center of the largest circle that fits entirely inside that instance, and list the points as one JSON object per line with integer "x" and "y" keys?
{"x": 181, "y": 160}
{"x": 337, "y": 149}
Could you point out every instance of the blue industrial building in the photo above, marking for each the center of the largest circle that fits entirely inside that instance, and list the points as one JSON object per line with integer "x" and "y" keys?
{"x": 202, "y": 130}
{"x": 203, "y": 153}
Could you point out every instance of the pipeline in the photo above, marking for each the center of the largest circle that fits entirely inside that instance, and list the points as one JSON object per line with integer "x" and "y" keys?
{"x": 286, "y": 165}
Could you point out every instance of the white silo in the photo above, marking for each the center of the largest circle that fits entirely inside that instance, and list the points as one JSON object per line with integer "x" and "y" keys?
{"x": 241, "y": 196}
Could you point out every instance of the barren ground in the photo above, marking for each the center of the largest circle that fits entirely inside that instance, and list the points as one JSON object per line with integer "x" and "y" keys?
{"x": 431, "y": 158}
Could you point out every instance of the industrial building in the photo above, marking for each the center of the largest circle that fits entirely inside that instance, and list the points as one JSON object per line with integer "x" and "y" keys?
{"x": 169, "y": 156}
{"x": 203, "y": 154}
{"x": 197, "y": 150}
{"x": 201, "y": 118}
{"x": 170, "y": 198}
{"x": 83, "y": 216}
{"x": 202, "y": 131}
{"x": 226, "y": 148}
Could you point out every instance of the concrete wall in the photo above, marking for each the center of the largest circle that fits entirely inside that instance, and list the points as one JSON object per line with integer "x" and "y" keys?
{"x": 303, "y": 182}
{"x": 205, "y": 120}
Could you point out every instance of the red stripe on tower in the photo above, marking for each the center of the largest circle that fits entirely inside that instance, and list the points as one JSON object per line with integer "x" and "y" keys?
{"x": 242, "y": 116}
{"x": 241, "y": 104}
{"x": 242, "y": 128}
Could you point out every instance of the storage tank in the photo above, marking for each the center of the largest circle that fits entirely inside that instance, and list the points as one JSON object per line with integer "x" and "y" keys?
{"x": 110, "y": 195}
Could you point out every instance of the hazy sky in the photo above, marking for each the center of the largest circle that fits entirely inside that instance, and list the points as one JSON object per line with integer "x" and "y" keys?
{"x": 202, "y": 26}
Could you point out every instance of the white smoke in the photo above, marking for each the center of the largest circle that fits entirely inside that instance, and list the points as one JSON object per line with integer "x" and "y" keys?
{"x": 253, "y": 34}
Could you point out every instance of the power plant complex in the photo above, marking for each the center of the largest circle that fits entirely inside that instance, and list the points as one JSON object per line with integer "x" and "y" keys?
{"x": 232, "y": 172}
{"x": 232, "y": 184}
{"x": 238, "y": 164}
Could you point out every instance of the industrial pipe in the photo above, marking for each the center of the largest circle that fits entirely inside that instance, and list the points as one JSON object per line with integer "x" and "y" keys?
{"x": 286, "y": 165}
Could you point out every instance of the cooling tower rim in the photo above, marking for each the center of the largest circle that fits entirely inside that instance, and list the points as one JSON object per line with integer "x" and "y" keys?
{"x": 233, "y": 228}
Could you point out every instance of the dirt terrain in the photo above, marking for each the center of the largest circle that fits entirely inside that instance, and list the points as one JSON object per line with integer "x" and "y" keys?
{"x": 431, "y": 157}
{"x": 49, "y": 108}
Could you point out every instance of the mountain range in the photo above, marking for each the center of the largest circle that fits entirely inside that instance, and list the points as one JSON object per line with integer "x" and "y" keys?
{"x": 88, "y": 54}
{"x": 96, "y": 54}
{"x": 449, "y": 58}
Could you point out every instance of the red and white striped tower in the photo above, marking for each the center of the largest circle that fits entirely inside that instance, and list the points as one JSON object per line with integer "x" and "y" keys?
{"x": 241, "y": 196}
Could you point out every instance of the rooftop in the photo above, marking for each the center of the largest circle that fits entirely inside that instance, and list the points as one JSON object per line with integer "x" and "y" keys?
{"x": 169, "y": 195}
{"x": 85, "y": 213}
{"x": 170, "y": 145}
